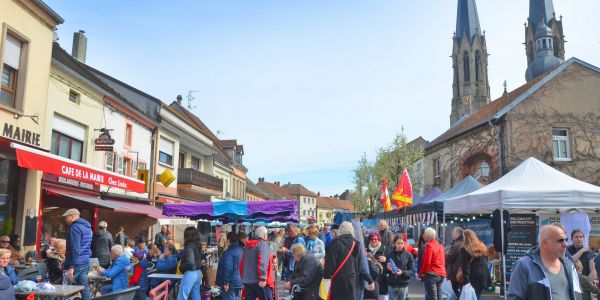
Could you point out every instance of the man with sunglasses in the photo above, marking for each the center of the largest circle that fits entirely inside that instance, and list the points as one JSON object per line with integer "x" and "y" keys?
{"x": 544, "y": 272}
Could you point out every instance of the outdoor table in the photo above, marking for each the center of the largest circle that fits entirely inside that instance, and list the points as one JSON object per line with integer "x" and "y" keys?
{"x": 21, "y": 267}
{"x": 175, "y": 278}
{"x": 60, "y": 292}
{"x": 95, "y": 280}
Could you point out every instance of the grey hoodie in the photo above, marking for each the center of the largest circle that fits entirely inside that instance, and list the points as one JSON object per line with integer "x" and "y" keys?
{"x": 528, "y": 280}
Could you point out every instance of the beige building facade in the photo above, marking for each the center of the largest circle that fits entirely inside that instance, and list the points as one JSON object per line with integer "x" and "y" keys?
{"x": 27, "y": 32}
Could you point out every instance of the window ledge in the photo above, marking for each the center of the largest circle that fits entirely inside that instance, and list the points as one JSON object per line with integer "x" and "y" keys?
{"x": 10, "y": 109}
{"x": 166, "y": 165}
{"x": 562, "y": 162}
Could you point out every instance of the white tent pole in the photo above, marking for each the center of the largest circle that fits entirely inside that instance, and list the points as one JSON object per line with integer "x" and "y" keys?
{"x": 503, "y": 279}
{"x": 443, "y": 227}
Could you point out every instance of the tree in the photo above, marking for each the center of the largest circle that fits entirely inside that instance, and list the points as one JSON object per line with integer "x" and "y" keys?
{"x": 389, "y": 163}
{"x": 365, "y": 196}
{"x": 392, "y": 159}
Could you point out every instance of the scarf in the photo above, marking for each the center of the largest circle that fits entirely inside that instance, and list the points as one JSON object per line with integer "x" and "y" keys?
{"x": 311, "y": 245}
{"x": 374, "y": 249}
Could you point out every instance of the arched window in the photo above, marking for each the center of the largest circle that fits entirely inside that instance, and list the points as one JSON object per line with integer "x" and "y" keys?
{"x": 555, "y": 47}
{"x": 456, "y": 78}
{"x": 466, "y": 67}
{"x": 477, "y": 65}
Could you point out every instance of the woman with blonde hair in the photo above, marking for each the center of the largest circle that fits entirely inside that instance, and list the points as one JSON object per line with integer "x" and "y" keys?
{"x": 474, "y": 266}
{"x": 314, "y": 245}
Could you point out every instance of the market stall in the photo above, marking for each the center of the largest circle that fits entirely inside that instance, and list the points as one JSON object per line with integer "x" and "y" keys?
{"x": 530, "y": 188}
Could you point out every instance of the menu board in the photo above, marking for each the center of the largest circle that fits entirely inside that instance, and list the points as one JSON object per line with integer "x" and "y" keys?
{"x": 522, "y": 238}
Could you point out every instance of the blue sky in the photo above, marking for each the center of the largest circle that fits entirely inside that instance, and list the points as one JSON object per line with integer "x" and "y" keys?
{"x": 308, "y": 86}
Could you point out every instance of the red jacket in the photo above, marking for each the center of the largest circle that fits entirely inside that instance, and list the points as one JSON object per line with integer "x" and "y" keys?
{"x": 433, "y": 260}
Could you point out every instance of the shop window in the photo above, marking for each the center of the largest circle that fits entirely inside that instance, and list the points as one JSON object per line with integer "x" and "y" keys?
{"x": 560, "y": 144}
{"x": 165, "y": 152}
{"x": 196, "y": 163}
{"x": 12, "y": 62}
{"x": 74, "y": 96}
{"x": 109, "y": 161}
{"x": 120, "y": 165}
{"x": 128, "y": 134}
{"x": 66, "y": 146}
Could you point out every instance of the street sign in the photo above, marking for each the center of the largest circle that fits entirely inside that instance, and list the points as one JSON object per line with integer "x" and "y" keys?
{"x": 104, "y": 138}
{"x": 103, "y": 148}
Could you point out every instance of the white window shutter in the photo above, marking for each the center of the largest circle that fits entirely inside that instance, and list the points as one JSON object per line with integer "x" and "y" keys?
{"x": 12, "y": 51}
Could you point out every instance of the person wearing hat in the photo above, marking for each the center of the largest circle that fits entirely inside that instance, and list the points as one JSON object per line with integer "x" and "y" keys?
{"x": 140, "y": 276}
{"x": 79, "y": 241}
{"x": 102, "y": 242}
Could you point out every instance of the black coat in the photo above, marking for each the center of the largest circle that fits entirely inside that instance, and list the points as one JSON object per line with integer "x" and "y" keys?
{"x": 191, "y": 259}
{"x": 101, "y": 243}
{"x": 405, "y": 262}
{"x": 308, "y": 273}
{"x": 55, "y": 270}
{"x": 382, "y": 251}
{"x": 376, "y": 273}
{"x": 453, "y": 261}
{"x": 475, "y": 271}
{"x": 346, "y": 283}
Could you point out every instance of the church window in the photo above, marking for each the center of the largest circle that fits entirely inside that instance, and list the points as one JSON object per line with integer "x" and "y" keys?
{"x": 466, "y": 67}
{"x": 555, "y": 47}
{"x": 477, "y": 65}
{"x": 544, "y": 44}
{"x": 560, "y": 144}
{"x": 437, "y": 170}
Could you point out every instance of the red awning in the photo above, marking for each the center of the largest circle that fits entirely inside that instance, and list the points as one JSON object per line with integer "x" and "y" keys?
{"x": 31, "y": 158}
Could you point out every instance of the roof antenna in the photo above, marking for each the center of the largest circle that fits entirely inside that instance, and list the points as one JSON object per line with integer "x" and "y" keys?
{"x": 191, "y": 98}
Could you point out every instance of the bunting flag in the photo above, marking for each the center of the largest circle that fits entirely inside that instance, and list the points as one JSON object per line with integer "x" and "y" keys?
{"x": 403, "y": 195}
{"x": 385, "y": 197}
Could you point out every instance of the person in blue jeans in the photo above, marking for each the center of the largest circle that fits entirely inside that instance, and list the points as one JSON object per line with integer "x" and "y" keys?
{"x": 79, "y": 242}
{"x": 228, "y": 272}
{"x": 191, "y": 263}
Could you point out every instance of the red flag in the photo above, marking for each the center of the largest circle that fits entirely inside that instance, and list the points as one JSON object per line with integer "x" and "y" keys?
{"x": 385, "y": 197}
{"x": 403, "y": 195}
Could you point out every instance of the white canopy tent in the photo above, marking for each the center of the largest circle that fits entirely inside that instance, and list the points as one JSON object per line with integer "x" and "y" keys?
{"x": 532, "y": 185}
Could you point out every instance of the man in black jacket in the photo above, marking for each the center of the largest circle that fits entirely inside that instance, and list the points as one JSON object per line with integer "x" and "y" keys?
{"x": 307, "y": 274}
{"x": 102, "y": 242}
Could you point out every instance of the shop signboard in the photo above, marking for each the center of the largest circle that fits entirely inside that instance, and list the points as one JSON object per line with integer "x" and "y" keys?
{"x": 42, "y": 161}
{"x": 104, "y": 141}
{"x": 521, "y": 238}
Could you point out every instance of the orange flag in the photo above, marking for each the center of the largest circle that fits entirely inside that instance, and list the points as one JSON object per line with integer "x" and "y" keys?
{"x": 385, "y": 197}
{"x": 403, "y": 195}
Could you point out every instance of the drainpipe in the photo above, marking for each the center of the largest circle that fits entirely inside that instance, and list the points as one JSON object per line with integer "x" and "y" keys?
{"x": 152, "y": 164}
{"x": 495, "y": 123}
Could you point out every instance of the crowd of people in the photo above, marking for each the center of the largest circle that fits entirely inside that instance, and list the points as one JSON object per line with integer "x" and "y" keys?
{"x": 357, "y": 265}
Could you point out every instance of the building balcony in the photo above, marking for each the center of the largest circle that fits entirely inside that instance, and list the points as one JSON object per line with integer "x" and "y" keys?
{"x": 192, "y": 178}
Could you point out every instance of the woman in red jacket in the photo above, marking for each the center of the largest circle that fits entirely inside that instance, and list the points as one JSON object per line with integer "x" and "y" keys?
{"x": 432, "y": 266}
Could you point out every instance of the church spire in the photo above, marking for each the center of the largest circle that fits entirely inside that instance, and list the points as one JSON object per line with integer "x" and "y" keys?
{"x": 470, "y": 87}
{"x": 467, "y": 20}
{"x": 541, "y": 14}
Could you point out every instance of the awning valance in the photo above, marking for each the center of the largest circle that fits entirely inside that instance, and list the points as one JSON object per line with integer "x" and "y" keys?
{"x": 31, "y": 158}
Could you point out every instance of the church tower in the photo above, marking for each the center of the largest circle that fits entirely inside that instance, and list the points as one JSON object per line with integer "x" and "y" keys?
{"x": 541, "y": 14}
{"x": 470, "y": 86}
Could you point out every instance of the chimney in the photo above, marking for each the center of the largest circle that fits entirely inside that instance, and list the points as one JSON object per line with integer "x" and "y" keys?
{"x": 79, "y": 46}
{"x": 318, "y": 194}
{"x": 276, "y": 183}
{"x": 261, "y": 179}
{"x": 289, "y": 183}
{"x": 179, "y": 99}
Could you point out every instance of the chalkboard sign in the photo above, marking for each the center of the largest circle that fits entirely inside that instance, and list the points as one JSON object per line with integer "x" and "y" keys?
{"x": 522, "y": 238}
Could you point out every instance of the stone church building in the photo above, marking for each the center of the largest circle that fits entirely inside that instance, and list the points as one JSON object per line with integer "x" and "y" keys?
{"x": 554, "y": 117}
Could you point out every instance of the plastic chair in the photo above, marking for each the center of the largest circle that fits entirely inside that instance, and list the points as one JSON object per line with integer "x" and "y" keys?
{"x": 161, "y": 291}
{"x": 126, "y": 294}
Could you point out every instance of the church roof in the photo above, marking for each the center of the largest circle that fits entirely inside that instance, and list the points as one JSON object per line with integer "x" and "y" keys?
{"x": 540, "y": 9}
{"x": 499, "y": 107}
{"x": 467, "y": 20}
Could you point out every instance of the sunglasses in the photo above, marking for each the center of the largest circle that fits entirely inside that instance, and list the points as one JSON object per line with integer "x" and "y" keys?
{"x": 560, "y": 241}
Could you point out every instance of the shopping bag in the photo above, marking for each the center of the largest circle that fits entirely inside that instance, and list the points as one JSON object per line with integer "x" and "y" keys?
{"x": 447, "y": 291}
{"x": 468, "y": 293}
{"x": 324, "y": 289}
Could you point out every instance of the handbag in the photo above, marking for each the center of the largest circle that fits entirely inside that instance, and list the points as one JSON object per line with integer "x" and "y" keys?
{"x": 339, "y": 268}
